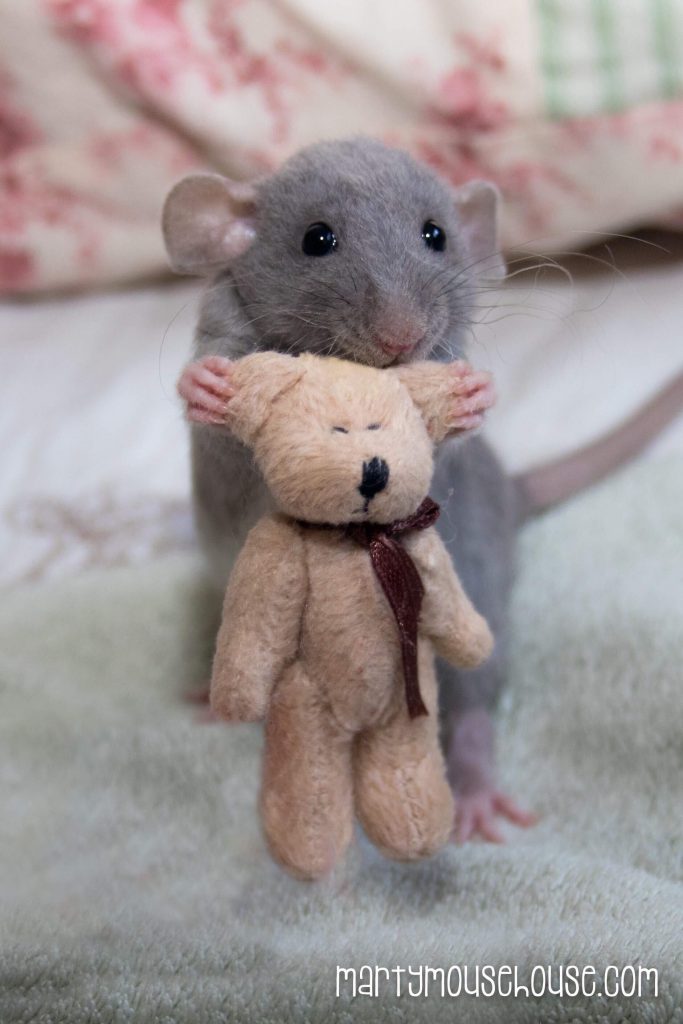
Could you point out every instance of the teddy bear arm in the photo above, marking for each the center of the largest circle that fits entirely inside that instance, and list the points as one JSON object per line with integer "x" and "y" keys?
{"x": 259, "y": 633}
{"x": 459, "y": 633}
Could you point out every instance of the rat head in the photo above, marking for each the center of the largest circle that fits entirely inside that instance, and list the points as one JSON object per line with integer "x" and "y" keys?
{"x": 351, "y": 249}
{"x": 338, "y": 442}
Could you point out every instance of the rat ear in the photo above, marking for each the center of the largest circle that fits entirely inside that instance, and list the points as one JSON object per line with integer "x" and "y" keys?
{"x": 478, "y": 204}
{"x": 207, "y": 221}
{"x": 258, "y": 381}
{"x": 432, "y": 387}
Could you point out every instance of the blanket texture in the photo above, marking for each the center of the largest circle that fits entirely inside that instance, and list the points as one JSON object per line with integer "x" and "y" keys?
{"x": 134, "y": 882}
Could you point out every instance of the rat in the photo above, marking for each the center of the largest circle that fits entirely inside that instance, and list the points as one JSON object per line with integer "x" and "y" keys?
{"x": 355, "y": 249}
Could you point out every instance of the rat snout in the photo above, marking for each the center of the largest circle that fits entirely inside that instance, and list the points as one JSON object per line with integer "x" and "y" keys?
{"x": 399, "y": 341}
{"x": 398, "y": 328}
{"x": 402, "y": 346}
{"x": 375, "y": 477}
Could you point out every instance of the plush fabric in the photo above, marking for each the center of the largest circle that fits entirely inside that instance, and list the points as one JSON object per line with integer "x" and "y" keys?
{"x": 310, "y": 638}
{"x": 134, "y": 881}
{"x": 572, "y": 107}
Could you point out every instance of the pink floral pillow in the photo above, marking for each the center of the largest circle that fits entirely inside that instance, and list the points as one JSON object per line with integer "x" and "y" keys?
{"x": 572, "y": 107}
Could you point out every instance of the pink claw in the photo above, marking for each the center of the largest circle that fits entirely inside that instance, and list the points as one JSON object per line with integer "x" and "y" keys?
{"x": 205, "y": 386}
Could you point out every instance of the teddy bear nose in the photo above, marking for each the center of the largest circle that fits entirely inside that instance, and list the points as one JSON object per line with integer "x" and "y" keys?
{"x": 375, "y": 477}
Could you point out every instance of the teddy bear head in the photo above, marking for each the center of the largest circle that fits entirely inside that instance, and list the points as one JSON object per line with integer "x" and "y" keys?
{"x": 338, "y": 442}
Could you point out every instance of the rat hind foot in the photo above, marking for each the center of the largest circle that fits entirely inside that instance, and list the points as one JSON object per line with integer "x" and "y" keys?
{"x": 198, "y": 696}
{"x": 201, "y": 697}
{"x": 479, "y": 804}
{"x": 477, "y": 815}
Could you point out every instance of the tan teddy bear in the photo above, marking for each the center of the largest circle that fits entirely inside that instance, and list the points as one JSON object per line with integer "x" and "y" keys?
{"x": 339, "y": 601}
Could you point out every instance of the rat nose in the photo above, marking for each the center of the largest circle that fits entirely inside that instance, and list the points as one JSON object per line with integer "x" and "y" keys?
{"x": 375, "y": 477}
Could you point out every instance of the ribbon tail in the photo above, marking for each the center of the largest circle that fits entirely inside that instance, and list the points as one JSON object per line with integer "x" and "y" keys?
{"x": 402, "y": 586}
{"x": 416, "y": 705}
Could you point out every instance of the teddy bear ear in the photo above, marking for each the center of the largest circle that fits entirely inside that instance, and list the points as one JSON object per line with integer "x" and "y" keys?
{"x": 258, "y": 381}
{"x": 431, "y": 387}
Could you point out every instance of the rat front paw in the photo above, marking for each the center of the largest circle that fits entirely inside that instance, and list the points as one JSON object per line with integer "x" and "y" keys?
{"x": 205, "y": 387}
{"x": 473, "y": 393}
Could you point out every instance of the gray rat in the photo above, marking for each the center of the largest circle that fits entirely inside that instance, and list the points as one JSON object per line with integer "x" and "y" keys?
{"x": 356, "y": 250}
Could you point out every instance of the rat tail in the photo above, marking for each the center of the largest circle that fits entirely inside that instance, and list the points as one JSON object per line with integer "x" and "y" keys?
{"x": 548, "y": 485}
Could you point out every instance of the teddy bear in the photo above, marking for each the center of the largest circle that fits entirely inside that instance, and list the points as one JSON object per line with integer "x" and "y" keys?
{"x": 338, "y": 603}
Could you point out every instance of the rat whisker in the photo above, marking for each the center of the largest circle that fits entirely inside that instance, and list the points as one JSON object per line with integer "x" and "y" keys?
{"x": 526, "y": 253}
{"x": 170, "y": 398}
{"x": 335, "y": 292}
{"x": 435, "y": 276}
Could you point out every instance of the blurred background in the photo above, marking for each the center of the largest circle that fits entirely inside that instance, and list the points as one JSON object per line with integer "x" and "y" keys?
{"x": 574, "y": 108}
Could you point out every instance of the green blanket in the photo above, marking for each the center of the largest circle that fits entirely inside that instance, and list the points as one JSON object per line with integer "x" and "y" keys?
{"x": 134, "y": 883}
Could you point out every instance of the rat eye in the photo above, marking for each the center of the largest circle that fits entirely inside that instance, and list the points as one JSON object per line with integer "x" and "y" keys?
{"x": 318, "y": 240}
{"x": 340, "y": 430}
{"x": 373, "y": 426}
{"x": 434, "y": 236}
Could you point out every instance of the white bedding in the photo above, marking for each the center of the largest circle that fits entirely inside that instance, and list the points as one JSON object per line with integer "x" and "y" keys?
{"x": 94, "y": 456}
{"x": 135, "y": 886}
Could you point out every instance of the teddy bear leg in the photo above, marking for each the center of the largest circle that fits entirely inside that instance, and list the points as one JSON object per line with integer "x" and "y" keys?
{"x": 306, "y": 794}
{"x": 402, "y": 796}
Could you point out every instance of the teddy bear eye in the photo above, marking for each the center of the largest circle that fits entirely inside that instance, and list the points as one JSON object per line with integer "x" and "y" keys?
{"x": 373, "y": 426}
{"x": 340, "y": 430}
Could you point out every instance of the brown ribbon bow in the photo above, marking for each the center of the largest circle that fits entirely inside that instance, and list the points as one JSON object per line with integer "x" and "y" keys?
{"x": 401, "y": 584}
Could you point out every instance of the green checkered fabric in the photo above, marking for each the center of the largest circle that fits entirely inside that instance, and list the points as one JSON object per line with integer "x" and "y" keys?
{"x": 603, "y": 56}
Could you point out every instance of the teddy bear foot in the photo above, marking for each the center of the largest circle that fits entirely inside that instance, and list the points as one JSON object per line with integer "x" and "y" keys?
{"x": 305, "y": 870}
{"x": 412, "y": 849}
{"x": 307, "y": 862}
{"x": 407, "y": 816}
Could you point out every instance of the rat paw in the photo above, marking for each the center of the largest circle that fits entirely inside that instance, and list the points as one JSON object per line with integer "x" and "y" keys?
{"x": 201, "y": 698}
{"x": 477, "y": 814}
{"x": 473, "y": 393}
{"x": 205, "y": 387}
